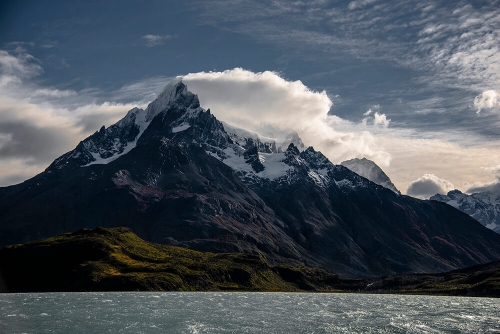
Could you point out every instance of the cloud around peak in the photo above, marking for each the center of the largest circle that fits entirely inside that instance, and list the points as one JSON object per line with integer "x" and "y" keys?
{"x": 492, "y": 188}
{"x": 264, "y": 100}
{"x": 429, "y": 185}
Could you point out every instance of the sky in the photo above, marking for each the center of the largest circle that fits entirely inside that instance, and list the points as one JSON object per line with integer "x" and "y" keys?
{"x": 413, "y": 86}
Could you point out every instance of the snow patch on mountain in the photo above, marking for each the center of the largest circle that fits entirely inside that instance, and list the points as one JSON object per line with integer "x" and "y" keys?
{"x": 181, "y": 127}
{"x": 274, "y": 167}
{"x": 119, "y": 148}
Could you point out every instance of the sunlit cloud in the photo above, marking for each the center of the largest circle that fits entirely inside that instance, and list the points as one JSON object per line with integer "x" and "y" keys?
{"x": 489, "y": 99}
{"x": 256, "y": 100}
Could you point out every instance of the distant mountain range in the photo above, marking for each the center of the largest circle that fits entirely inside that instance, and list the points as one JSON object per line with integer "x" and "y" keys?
{"x": 482, "y": 206}
{"x": 176, "y": 175}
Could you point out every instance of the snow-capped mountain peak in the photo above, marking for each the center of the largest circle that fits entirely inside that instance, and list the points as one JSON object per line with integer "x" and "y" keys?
{"x": 176, "y": 115}
{"x": 108, "y": 144}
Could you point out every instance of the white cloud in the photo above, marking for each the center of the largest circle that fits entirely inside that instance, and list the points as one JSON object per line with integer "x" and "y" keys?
{"x": 489, "y": 99}
{"x": 381, "y": 119}
{"x": 255, "y": 101}
{"x": 377, "y": 119}
{"x": 154, "y": 40}
{"x": 429, "y": 185}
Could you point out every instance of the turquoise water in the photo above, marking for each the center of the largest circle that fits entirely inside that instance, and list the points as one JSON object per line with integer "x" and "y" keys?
{"x": 211, "y": 312}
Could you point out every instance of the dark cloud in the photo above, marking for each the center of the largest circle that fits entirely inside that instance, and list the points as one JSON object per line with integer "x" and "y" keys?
{"x": 491, "y": 188}
{"x": 13, "y": 179}
{"x": 428, "y": 185}
{"x": 33, "y": 144}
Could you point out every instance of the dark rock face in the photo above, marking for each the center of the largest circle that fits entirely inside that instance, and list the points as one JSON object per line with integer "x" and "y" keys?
{"x": 177, "y": 182}
{"x": 252, "y": 158}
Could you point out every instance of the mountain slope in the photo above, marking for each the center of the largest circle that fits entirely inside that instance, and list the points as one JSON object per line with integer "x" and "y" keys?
{"x": 117, "y": 260}
{"x": 184, "y": 180}
{"x": 368, "y": 169}
{"x": 483, "y": 207}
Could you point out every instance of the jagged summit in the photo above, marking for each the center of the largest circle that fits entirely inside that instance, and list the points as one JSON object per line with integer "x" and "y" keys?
{"x": 107, "y": 145}
{"x": 368, "y": 169}
{"x": 175, "y": 92}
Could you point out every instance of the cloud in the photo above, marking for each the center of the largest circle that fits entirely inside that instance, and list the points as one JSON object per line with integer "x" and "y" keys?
{"x": 33, "y": 130}
{"x": 359, "y": 3}
{"x": 377, "y": 119}
{"x": 155, "y": 40}
{"x": 34, "y": 144}
{"x": 450, "y": 50}
{"x": 43, "y": 132}
{"x": 49, "y": 45}
{"x": 429, "y": 185}
{"x": 492, "y": 188}
{"x": 54, "y": 92}
{"x": 489, "y": 99}
{"x": 21, "y": 66}
{"x": 142, "y": 92}
{"x": 91, "y": 117}
{"x": 32, "y": 135}
{"x": 259, "y": 101}
{"x": 381, "y": 119}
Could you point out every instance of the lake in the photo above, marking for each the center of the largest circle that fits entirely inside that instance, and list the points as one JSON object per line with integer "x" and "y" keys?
{"x": 234, "y": 312}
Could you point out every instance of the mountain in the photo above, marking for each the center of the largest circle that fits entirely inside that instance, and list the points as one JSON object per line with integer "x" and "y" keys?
{"x": 368, "y": 169}
{"x": 482, "y": 206}
{"x": 174, "y": 175}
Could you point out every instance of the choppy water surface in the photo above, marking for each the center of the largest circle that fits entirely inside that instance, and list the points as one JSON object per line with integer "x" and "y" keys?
{"x": 199, "y": 312}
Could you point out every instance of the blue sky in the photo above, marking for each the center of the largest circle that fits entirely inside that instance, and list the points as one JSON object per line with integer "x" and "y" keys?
{"x": 413, "y": 86}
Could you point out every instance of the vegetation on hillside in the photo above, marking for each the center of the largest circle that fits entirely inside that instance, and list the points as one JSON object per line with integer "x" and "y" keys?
{"x": 118, "y": 260}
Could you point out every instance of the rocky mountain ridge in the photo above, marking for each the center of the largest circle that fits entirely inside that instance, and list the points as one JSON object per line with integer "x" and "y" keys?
{"x": 483, "y": 206}
{"x": 174, "y": 175}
